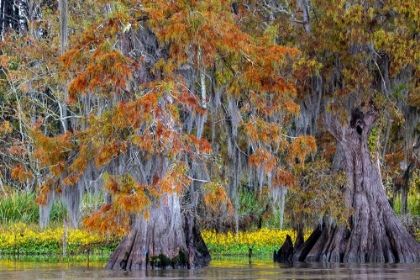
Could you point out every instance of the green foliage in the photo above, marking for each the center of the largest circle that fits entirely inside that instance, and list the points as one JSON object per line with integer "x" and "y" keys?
{"x": 373, "y": 140}
{"x": 21, "y": 207}
{"x": 253, "y": 202}
{"x": 161, "y": 261}
{"x": 413, "y": 204}
{"x": 180, "y": 260}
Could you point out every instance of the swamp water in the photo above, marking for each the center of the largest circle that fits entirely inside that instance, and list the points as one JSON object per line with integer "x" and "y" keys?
{"x": 218, "y": 269}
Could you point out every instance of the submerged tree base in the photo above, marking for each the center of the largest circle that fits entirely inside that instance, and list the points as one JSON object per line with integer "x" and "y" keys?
{"x": 337, "y": 244}
{"x": 285, "y": 253}
{"x": 167, "y": 239}
{"x": 381, "y": 238}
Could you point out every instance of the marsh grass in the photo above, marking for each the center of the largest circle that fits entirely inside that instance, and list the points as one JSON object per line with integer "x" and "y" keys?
{"x": 413, "y": 205}
{"x": 18, "y": 207}
{"x": 21, "y": 207}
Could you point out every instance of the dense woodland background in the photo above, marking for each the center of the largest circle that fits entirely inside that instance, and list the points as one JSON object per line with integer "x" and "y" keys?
{"x": 226, "y": 110}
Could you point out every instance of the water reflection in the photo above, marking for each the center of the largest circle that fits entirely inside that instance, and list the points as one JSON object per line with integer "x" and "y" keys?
{"x": 218, "y": 269}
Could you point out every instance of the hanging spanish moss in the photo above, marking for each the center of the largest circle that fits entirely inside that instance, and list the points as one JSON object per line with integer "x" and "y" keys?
{"x": 200, "y": 176}
{"x": 200, "y": 121}
{"x": 279, "y": 198}
{"x": 260, "y": 172}
{"x": 72, "y": 197}
{"x": 234, "y": 115}
{"x": 45, "y": 210}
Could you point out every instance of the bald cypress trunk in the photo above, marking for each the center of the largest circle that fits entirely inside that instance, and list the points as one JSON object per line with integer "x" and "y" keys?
{"x": 374, "y": 233}
{"x": 166, "y": 239}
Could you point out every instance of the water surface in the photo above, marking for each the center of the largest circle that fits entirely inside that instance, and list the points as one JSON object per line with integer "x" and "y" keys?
{"x": 218, "y": 269}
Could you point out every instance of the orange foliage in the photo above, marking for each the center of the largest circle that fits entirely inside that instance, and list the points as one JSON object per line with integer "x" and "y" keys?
{"x": 129, "y": 197}
{"x": 53, "y": 151}
{"x": 108, "y": 220}
{"x": 394, "y": 160}
{"x": 21, "y": 174}
{"x": 283, "y": 177}
{"x": 17, "y": 150}
{"x": 263, "y": 158}
{"x": 105, "y": 70}
{"x": 302, "y": 146}
{"x": 216, "y": 199}
{"x": 43, "y": 191}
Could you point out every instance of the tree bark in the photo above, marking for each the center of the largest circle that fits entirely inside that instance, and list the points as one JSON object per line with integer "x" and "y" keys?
{"x": 373, "y": 232}
{"x": 166, "y": 239}
{"x": 285, "y": 253}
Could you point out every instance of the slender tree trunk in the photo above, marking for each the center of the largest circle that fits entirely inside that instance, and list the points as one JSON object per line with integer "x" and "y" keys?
{"x": 2, "y": 18}
{"x": 404, "y": 189}
{"x": 374, "y": 233}
{"x": 168, "y": 238}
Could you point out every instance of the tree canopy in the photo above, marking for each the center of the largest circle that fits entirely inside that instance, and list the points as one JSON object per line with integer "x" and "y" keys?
{"x": 184, "y": 103}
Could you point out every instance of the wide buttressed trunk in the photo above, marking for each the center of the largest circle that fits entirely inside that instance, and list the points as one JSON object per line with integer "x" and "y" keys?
{"x": 373, "y": 233}
{"x": 168, "y": 238}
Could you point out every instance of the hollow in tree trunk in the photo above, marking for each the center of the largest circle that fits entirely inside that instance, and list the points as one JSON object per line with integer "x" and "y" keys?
{"x": 374, "y": 233}
{"x": 168, "y": 238}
